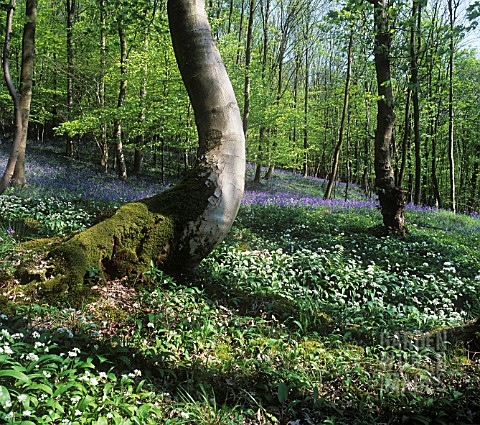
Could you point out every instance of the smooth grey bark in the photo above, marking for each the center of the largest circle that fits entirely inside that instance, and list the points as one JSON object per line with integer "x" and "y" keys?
{"x": 26, "y": 86}
{"x": 15, "y": 95}
{"x": 15, "y": 168}
{"x": 220, "y": 166}
{"x": 177, "y": 228}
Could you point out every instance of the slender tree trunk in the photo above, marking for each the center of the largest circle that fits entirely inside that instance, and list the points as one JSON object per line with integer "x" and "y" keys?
{"x": 15, "y": 95}
{"x": 122, "y": 168}
{"x": 405, "y": 139}
{"x": 26, "y": 84}
{"x": 346, "y": 97}
{"x": 392, "y": 199}
{"x": 16, "y": 163}
{"x": 305, "y": 105}
{"x": 103, "y": 142}
{"x": 230, "y": 17}
{"x": 138, "y": 155}
{"x": 240, "y": 32}
{"x": 265, "y": 9}
{"x": 366, "y": 146}
{"x": 248, "y": 56}
{"x": 473, "y": 201}
{"x": 451, "y": 157}
{"x": 414, "y": 39}
{"x": 70, "y": 149}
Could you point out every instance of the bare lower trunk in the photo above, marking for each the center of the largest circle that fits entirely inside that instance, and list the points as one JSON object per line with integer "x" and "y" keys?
{"x": 392, "y": 199}
{"x": 179, "y": 227}
{"x": 16, "y": 164}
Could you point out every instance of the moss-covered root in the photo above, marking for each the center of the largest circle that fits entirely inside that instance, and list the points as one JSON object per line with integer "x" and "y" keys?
{"x": 121, "y": 244}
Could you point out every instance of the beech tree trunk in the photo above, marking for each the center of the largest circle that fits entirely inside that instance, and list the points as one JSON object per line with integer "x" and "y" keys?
{"x": 177, "y": 228}
{"x": 392, "y": 199}
{"x": 16, "y": 163}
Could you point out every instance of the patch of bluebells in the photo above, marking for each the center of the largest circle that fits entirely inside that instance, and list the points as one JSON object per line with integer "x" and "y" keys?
{"x": 58, "y": 176}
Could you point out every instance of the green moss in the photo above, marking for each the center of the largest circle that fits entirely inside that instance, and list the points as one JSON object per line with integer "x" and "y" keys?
{"x": 223, "y": 352}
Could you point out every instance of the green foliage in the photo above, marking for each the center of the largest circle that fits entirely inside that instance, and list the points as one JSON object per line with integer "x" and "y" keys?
{"x": 302, "y": 313}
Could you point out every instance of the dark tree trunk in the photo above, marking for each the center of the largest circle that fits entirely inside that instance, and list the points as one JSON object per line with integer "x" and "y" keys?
{"x": 346, "y": 97}
{"x": 451, "y": 158}
{"x": 121, "y": 166}
{"x": 248, "y": 56}
{"x": 70, "y": 148}
{"x": 414, "y": 39}
{"x": 392, "y": 199}
{"x": 103, "y": 142}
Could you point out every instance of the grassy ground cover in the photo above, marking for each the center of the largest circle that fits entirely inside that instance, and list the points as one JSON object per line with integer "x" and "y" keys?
{"x": 304, "y": 315}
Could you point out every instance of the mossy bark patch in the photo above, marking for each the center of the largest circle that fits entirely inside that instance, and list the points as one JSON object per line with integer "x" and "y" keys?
{"x": 117, "y": 246}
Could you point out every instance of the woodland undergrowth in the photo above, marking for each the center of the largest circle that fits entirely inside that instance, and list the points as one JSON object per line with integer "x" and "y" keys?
{"x": 304, "y": 315}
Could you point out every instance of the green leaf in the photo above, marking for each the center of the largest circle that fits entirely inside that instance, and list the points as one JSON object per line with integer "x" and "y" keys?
{"x": 282, "y": 392}
{"x": 62, "y": 388}
{"x": 43, "y": 387}
{"x": 16, "y": 374}
{"x": 4, "y": 395}
{"x": 102, "y": 420}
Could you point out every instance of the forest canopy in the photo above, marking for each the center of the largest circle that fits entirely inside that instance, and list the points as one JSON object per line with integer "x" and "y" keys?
{"x": 103, "y": 77}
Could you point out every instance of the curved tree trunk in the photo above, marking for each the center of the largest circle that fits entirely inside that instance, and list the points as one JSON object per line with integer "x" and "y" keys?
{"x": 15, "y": 168}
{"x": 15, "y": 95}
{"x": 26, "y": 84}
{"x": 177, "y": 228}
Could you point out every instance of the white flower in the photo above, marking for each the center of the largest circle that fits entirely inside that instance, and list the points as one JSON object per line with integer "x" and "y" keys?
{"x": 102, "y": 375}
{"x": 150, "y": 325}
{"x": 35, "y": 335}
{"x": 38, "y": 344}
{"x": 78, "y": 413}
{"x": 27, "y": 413}
{"x": 3, "y": 317}
{"x": 7, "y": 349}
{"x": 22, "y": 397}
{"x": 72, "y": 354}
{"x": 33, "y": 357}
{"x": 137, "y": 372}
{"x": 109, "y": 415}
{"x": 93, "y": 381}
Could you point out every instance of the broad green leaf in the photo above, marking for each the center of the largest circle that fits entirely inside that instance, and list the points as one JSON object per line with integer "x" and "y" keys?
{"x": 16, "y": 374}
{"x": 282, "y": 392}
{"x": 4, "y": 395}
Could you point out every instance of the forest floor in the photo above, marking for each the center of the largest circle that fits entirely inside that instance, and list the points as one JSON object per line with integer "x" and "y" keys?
{"x": 303, "y": 315}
